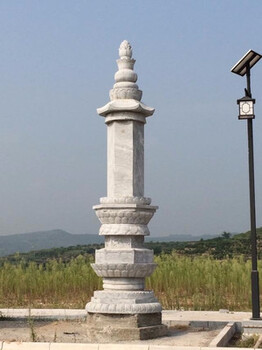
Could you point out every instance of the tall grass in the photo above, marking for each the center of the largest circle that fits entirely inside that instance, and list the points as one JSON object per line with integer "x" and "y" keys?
{"x": 179, "y": 282}
{"x": 202, "y": 283}
{"x": 54, "y": 285}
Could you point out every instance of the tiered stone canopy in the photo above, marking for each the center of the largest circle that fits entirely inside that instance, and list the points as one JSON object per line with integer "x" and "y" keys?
{"x": 125, "y": 212}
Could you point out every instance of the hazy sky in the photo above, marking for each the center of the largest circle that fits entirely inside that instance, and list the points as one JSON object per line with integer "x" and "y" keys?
{"x": 57, "y": 66}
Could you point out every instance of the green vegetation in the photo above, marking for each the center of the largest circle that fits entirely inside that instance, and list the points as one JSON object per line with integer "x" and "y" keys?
{"x": 55, "y": 284}
{"x": 26, "y": 242}
{"x": 202, "y": 283}
{"x": 196, "y": 283}
{"x": 223, "y": 247}
{"x": 64, "y": 254}
{"x": 244, "y": 341}
{"x": 203, "y": 275}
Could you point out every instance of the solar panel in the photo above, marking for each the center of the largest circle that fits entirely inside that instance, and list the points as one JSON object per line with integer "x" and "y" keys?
{"x": 250, "y": 58}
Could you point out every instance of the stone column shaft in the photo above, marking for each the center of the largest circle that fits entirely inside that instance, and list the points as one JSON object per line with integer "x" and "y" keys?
{"x": 125, "y": 161}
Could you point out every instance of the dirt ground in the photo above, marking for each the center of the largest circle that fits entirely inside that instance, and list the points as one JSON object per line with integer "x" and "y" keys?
{"x": 75, "y": 332}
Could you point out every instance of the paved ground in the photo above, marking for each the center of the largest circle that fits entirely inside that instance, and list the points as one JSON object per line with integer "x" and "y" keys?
{"x": 59, "y": 325}
{"x": 219, "y": 316}
{"x": 75, "y": 332}
{"x": 222, "y": 315}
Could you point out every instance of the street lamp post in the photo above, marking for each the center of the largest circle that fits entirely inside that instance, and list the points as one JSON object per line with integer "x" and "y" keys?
{"x": 246, "y": 111}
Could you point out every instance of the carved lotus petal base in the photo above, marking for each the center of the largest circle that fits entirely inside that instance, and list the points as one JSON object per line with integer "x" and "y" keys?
{"x": 124, "y": 270}
{"x": 125, "y": 93}
{"x": 123, "y": 308}
{"x": 124, "y": 214}
{"x": 137, "y": 302}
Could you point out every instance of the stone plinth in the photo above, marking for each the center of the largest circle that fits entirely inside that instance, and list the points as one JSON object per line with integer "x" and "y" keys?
{"x": 124, "y": 327}
{"x": 124, "y": 307}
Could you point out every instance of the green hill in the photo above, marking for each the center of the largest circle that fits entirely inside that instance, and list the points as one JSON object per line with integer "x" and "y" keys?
{"x": 224, "y": 246}
{"x": 26, "y": 242}
{"x": 246, "y": 235}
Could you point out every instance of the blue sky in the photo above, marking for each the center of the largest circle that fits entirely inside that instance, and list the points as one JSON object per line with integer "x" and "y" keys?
{"x": 57, "y": 66}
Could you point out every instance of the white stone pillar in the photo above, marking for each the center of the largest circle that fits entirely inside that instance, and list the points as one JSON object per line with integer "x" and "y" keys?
{"x": 124, "y": 213}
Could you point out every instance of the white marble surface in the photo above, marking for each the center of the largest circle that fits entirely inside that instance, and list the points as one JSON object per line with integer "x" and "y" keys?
{"x": 125, "y": 159}
{"x": 125, "y": 212}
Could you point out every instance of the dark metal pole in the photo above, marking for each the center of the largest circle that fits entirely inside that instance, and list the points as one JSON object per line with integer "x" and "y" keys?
{"x": 254, "y": 272}
{"x": 248, "y": 81}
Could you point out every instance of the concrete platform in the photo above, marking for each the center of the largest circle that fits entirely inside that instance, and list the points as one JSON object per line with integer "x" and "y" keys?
{"x": 220, "y": 324}
{"x": 167, "y": 315}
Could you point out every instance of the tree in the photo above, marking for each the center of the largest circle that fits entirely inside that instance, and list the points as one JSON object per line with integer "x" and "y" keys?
{"x": 226, "y": 235}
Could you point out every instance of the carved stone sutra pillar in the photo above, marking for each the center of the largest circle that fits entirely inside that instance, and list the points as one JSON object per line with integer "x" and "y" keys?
{"x": 124, "y": 310}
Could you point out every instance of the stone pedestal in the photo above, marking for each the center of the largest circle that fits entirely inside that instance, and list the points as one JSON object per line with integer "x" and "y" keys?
{"x": 126, "y": 327}
{"x": 124, "y": 309}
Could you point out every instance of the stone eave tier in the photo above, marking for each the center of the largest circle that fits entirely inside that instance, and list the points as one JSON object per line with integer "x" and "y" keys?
{"x": 122, "y": 105}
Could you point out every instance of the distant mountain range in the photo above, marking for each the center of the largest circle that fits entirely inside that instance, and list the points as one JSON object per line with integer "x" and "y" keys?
{"x": 26, "y": 242}
{"x": 178, "y": 238}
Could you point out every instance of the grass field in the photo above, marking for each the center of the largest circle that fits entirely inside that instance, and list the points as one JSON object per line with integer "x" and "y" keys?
{"x": 179, "y": 282}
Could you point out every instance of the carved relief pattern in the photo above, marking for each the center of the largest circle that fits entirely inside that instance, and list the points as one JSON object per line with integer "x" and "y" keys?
{"x": 125, "y": 93}
{"x": 125, "y": 50}
{"x": 122, "y": 296}
{"x": 124, "y": 256}
{"x": 125, "y": 216}
{"x": 124, "y": 270}
{"x": 125, "y": 77}
{"x": 123, "y": 308}
{"x": 124, "y": 241}
{"x": 124, "y": 229}
{"x": 124, "y": 302}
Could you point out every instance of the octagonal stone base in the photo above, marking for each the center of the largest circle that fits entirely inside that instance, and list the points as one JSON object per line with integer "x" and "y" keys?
{"x": 106, "y": 328}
